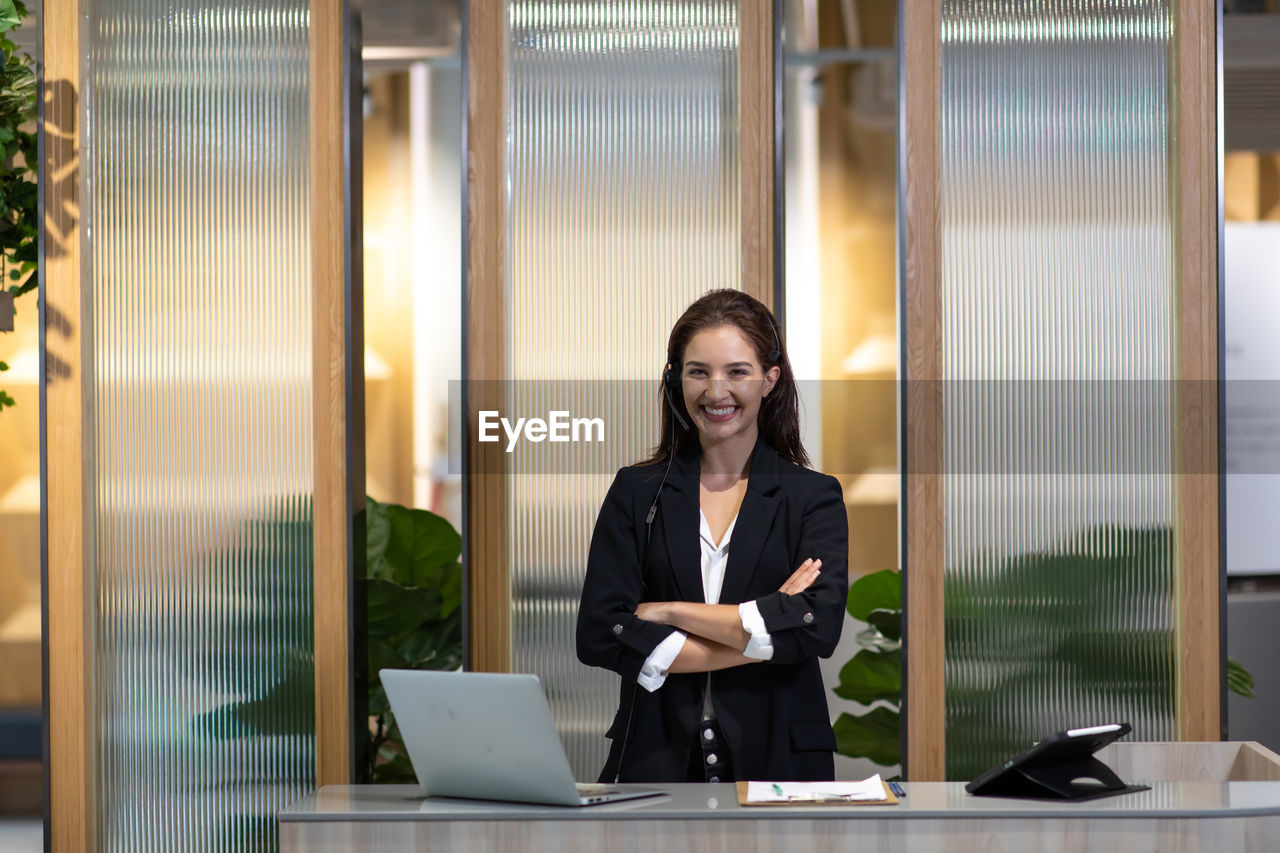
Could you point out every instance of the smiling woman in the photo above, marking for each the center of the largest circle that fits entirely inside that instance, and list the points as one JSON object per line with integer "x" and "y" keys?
{"x": 665, "y": 607}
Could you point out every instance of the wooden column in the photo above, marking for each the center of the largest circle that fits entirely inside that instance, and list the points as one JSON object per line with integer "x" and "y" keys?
{"x": 923, "y": 702}
{"x": 338, "y": 381}
{"x": 1198, "y": 543}
{"x": 68, "y": 634}
{"x": 485, "y": 560}
{"x": 757, "y": 148}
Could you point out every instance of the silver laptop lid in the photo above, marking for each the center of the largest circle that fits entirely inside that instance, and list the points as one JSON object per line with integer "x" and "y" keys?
{"x": 481, "y": 735}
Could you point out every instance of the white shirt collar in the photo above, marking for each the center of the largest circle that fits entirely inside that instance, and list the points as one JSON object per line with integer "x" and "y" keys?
{"x": 704, "y": 532}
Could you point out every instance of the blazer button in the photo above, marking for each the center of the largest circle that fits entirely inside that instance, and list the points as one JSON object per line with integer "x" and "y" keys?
{"x": 808, "y": 618}
{"x": 617, "y": 629}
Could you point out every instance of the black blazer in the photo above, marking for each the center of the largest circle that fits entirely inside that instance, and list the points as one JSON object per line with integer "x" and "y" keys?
{"x": 773, "y": 714}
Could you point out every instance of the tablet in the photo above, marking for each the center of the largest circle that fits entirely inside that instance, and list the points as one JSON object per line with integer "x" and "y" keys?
{"x": 1062, "y": 766}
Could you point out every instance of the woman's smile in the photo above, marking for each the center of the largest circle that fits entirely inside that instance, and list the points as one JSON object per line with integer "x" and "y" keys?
{"x": 721, "y": 413}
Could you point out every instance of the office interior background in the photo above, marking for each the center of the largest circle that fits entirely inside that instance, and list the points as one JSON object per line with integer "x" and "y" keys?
{"x": 624, "y": 151}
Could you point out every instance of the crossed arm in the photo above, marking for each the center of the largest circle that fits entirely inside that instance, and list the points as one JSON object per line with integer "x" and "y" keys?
{"x": 716, "y": 638}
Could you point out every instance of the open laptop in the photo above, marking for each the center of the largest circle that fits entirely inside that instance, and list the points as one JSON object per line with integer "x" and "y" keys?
{"x": 487, "y": 736}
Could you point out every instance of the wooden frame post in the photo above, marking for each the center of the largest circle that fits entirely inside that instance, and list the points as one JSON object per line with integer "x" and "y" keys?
{"x": 338, "y": 387}
{"x": 924, "y": 733}
{"x": 1199, "y": 592}
{"x": 68, "y": 637}
{"x": 488, "y": 590}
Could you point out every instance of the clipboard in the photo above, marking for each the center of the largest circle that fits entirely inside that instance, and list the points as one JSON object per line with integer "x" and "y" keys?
{"x": 890, "y": 799}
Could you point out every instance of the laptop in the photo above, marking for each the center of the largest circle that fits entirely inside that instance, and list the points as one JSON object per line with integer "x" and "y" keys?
{"x": 487, "y": 736}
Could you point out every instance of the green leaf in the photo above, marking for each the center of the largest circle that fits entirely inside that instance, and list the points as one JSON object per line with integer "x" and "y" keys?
{"x": 871, "y": 676}
{"x": 887, "y": 622}
{"x": 880, "y": 590}
{"x": 451, "y": 590}
{"x": 377, "y": 535}
{"x": 436, "y": 645}
{"x": 412, "y": 547}
{"x": 876, "y": 735}
{"x": 3, "y": 367}
{"x": 267, "y": 715}
{"x": 383, "y": 655}
{"x": 1239, "y": 681}
{"x": 419, "y": 541}
{"x": 393, "y": 609}
{"x": 8, "y": 16}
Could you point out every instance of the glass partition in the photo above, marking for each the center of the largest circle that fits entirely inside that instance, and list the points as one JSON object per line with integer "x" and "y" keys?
{"x": 1058, "y": 335}
{"x": 199, "y": 319}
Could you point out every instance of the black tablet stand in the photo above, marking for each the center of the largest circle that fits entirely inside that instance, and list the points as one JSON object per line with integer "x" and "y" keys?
{"x": 1058, "y": 781}
{"x": 1061, "y": 767}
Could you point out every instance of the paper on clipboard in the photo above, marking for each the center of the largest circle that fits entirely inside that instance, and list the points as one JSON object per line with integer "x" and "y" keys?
{"x": 868, "y": 790}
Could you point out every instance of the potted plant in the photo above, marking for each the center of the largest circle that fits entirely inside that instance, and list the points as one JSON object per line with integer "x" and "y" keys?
{"x": 18, "y": 200}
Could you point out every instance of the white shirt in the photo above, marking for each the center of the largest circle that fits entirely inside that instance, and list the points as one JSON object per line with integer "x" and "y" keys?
{"x": 715, "y": 559}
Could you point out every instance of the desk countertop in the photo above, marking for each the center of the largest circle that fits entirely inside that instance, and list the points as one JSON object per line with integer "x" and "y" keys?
{"x": 376, "y": 803}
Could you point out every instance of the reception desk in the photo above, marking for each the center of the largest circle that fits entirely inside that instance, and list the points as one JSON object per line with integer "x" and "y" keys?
{"x": 1183, "y": 814}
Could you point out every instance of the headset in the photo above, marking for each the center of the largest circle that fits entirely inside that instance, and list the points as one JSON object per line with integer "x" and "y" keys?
{"x": 670, "y": 383}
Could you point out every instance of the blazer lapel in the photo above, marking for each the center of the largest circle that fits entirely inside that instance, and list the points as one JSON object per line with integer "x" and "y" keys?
{"x": 755, "y": 519}
{"x": 679, "y": 508}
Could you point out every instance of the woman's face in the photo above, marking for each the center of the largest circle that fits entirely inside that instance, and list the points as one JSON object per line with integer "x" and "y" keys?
{"x": 724, "y": 383}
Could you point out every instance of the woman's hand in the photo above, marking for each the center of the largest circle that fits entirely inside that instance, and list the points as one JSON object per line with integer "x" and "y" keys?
{"x": 655, "y": 611}
{"x": 802, "y": 578}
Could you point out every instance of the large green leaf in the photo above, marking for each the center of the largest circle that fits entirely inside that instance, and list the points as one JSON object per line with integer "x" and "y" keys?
{"x": 870, "y": 676}
{"x": 270, "y": 713}
{"x": 876, "y": 735}
{"x": 877, "y": 591}
{"x": 406, "y": 545}
{"x": 8, "y": 16}
{"x": 888, "y": 622}
{"x": 393, "y": 609}
{"x": 435, "y": 645}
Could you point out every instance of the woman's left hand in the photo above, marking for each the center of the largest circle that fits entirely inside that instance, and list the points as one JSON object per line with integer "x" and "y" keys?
{"x": 654, "y": 611}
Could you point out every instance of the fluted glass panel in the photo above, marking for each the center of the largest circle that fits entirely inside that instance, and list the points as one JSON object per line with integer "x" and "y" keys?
{"x": 196, "y": 146}
{"x": 1058, "y": 351}
{"x": 623, "y": 209}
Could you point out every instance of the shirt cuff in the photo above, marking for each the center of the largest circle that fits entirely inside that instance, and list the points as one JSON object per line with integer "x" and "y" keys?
{"x": 760, "y": 646}
{"x": 654, "y": 672}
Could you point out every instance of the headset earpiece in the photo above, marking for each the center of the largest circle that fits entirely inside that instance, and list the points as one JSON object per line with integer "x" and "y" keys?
{"x": 670, "y": 385}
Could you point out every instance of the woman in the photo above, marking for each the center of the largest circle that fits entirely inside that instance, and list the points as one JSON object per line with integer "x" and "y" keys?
{"x": 717, "y": 571}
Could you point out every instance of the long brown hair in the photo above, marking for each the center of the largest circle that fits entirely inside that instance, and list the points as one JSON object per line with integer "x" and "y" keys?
{"x": 779, "y": 416}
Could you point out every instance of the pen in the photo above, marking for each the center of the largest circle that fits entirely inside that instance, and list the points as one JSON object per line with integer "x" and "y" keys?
{"x": 777, "y": 789}
{"x": 897, "y": 789}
